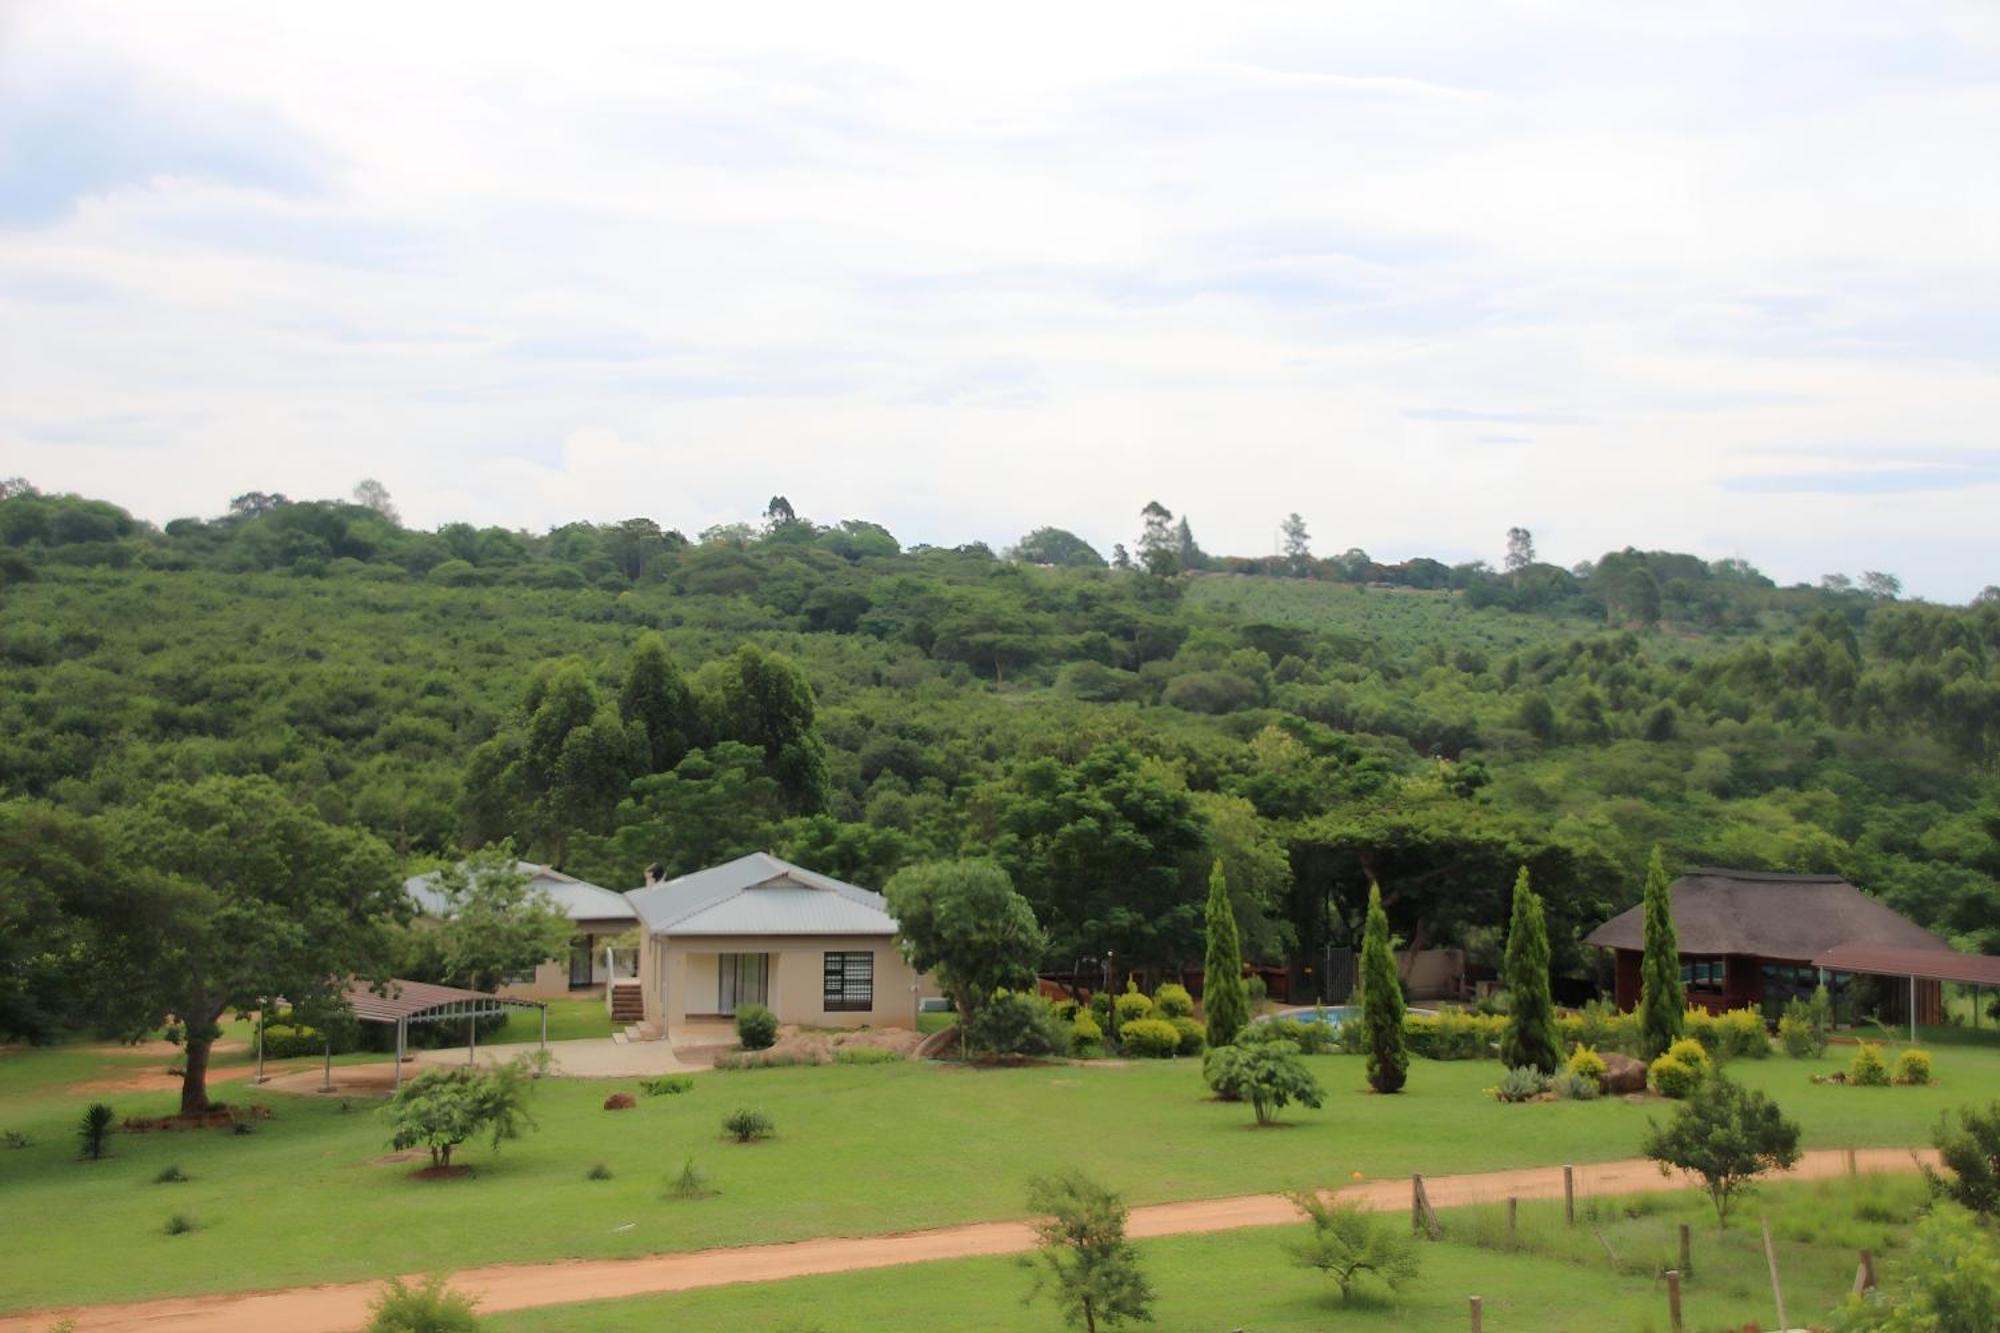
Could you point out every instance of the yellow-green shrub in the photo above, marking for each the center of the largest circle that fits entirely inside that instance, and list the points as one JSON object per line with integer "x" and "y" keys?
{"x": 1740, "y": 1032}
{"x": 1913, "y": 1066}
{"x": 1697, "y": 1024}
{"x": 1866, "y": 1068}
{"x": 1151, "y": 1038}
{"x": 1690, "y": 1052}
{"x": 1672, "y": 1076}
{"x": 1586, "y": 1063}
{"x": 1452, "y": 1034}
{"x": 1192, "y": 1034}
{"x": 1132, "y": 1006}
{"x": 1172, "y": 1001}
{"x": 1084, "y": 1032}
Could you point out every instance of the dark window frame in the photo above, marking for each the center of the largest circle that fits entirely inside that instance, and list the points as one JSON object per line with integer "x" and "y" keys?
{"x": 848, "y": 981}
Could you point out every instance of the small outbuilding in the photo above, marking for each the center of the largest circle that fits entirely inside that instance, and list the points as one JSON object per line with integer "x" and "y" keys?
{"x": 1750, "y": 936}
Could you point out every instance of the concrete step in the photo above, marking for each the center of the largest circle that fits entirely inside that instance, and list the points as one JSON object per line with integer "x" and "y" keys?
{"x": 620, "y": 1038}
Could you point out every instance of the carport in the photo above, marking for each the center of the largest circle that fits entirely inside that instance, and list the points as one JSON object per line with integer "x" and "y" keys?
{"x": 1976, "y": 970}
{"x": 405, "y": 1002}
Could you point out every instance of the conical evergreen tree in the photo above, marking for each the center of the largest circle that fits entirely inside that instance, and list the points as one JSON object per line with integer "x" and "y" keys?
{"x": 1530, "y": 1038}
{"x": 1225, "y": 1003}
{"x": 1662, "y": 998}
{"x": 1382, "y": 1001}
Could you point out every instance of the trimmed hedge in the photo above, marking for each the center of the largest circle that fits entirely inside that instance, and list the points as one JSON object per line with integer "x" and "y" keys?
{"x": 1151, "y": 1038}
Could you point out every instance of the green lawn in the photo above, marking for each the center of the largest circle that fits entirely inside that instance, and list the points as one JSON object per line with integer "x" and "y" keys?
{"x": 1554, "y": 1278}
{"x": 569, "y": 1020}
{"x": 859, "y": 1150}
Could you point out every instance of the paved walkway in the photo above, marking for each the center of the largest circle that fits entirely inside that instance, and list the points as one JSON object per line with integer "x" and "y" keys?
{"x": 334, "y": 1309}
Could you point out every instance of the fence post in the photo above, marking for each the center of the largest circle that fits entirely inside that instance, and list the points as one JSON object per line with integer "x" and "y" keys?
{"x": 1478, "y": 1320}
{"x": 1423, "y": 1218}
{"x": 1674, "y": 1300}
{"x": 1864, "y": 1275}
{"x": 1513, "y": 1216}
{"x": 1569, "y": 1195}
{"x": 1853, "y": 1169}
{"x": 1687, "y": 1259}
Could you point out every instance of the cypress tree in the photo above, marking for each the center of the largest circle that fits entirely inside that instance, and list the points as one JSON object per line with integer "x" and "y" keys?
{"x": 1662, "y": 999}
{"x": 1530, "y": 1038}
{"x": 1382, "y": 1001}
{"x": 1224, "y": 1001}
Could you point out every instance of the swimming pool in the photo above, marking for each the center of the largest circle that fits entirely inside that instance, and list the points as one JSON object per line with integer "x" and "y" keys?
{"x": 1333, "y": 1015}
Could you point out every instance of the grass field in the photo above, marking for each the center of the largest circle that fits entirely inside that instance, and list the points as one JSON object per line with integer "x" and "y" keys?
{"x": 858, "y": 1150}
{"x": 1552, "y": 1278}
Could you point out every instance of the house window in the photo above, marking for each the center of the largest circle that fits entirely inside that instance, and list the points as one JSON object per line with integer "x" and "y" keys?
{"x": 850, "y": 982}
{"x": 1702, "y": 973}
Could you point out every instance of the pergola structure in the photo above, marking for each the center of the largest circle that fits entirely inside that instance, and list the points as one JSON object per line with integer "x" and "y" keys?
{"x": 1971, "y": 969}
{"x": 405, "y": 1002}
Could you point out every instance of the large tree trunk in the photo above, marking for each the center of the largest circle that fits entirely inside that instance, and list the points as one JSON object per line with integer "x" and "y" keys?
{"x": 194, "y": 1082}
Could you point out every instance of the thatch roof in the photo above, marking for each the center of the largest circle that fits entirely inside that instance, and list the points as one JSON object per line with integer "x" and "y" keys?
{"x": 1773, "y": 916}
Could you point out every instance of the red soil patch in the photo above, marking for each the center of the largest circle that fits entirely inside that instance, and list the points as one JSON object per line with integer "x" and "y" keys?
{"x": 215, "y": 1117}
{"x": 619, "y": 1101}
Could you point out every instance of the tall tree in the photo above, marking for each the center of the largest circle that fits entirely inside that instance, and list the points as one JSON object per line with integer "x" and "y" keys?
{"x": 372, "y": 494}
{"x": 963, "y": 921}
{"x": 1520, "y": 549}
{"x": 1298, "y": 544}
{"x": 658, "y": 699}
{"x": 1225, "y": 1002}
{"x": 54, "y": 869}
{"x": 1662, "y": 998}
{"x": 1186, "y": 550}
{"x": 240, "y": 896}
{"x": 764, "y": 700}
{"x": 1530, "y": 1037}
{"x": 1159, "y": 544}
{"x": 1109, "y": 854}
{"x": 1382, "y": 1005}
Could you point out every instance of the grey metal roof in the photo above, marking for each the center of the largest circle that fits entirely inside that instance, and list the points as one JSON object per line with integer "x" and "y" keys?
{"x": 760, "y": 894}
{"x": 416, "y": 999}
{"x": 580, "y": 900}
{"x": 1770, "y": 915}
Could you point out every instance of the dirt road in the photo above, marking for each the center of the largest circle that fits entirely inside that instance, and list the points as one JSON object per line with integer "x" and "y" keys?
{"x": 335, "y": 1309}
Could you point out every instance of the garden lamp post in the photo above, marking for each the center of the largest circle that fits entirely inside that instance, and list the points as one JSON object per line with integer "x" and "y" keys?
{"x": 1110, "y": 996}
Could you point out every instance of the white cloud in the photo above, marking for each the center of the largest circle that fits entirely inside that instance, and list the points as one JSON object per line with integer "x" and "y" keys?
{"x": 1418, "y": 275}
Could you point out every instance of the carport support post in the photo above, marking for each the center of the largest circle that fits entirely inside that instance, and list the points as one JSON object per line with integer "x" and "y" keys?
{"x": 545, "y": 1025}
{"x": 262, "y": 1008}
{"x": 326, "y": 1078}
{"x": 402, "y": 1027}
{"x": 1913, "y": 1008}
{"x": 472, "y": 1037}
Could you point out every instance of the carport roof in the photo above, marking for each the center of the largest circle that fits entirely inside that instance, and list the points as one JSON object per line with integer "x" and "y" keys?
{"x": 1974, "y": 969}
{"x": 418, "y": 1000}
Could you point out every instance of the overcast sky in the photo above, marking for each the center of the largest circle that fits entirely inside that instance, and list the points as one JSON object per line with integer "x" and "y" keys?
{"x": 1721, "y": 278}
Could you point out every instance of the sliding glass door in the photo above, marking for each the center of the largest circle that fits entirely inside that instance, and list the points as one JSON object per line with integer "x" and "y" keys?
{"x": 741, "y": 978}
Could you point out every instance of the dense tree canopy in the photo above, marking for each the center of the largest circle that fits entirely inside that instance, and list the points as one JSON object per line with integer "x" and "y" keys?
{"x": 611, "y": 695}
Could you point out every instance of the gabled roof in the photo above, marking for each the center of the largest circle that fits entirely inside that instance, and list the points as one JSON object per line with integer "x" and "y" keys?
{"x": 760, "y": 894}
{"x": 581, "y": 900}
{"x": 1770, "y": 915}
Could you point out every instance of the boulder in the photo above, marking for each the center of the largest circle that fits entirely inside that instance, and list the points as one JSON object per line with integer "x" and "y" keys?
{"x": 1623, "y": 1074}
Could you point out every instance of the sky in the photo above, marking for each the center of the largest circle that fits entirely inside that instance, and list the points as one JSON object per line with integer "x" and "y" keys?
{"x": 1720, "y": 278}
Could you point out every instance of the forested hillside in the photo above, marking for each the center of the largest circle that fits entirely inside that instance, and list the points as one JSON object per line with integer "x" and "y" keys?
{"x": 618, "y": 695}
